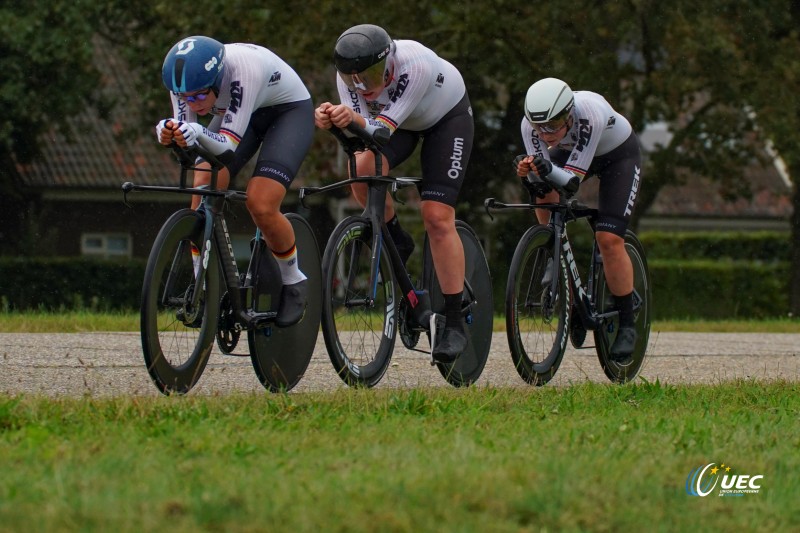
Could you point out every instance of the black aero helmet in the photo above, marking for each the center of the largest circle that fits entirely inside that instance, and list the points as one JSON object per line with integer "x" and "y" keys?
{"x": 193, "y": 64}
{"x": 360, "y": 47}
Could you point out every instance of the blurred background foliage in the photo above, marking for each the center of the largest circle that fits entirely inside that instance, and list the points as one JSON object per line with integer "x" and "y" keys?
{"x": 722, "y": 74}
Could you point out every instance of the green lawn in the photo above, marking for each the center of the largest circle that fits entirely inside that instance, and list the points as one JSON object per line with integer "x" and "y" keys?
{"x": 76, "y": 322}
{"x": 586, "y": 457}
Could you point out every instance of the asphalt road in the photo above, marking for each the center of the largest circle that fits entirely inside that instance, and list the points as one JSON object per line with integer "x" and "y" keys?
{"x": 111, "y": 364}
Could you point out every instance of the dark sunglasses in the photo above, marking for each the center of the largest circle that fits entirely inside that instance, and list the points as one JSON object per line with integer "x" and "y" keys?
{"x": 196, "y": 97}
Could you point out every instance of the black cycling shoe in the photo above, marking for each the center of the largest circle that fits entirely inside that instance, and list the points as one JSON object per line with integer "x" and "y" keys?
{"x": 293, "y": 304}
{"x": 452, "y": 343}
{"x": 624, "y": 344}
{"x": 577, "y": 333}
{"x": 405, "y": 246}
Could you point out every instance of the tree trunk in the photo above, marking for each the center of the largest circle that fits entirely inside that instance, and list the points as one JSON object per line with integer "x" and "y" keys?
{"x": 794, "y": 284}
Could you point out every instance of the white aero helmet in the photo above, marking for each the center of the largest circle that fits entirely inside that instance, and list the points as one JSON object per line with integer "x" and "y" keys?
{"x": 548, "y": 100}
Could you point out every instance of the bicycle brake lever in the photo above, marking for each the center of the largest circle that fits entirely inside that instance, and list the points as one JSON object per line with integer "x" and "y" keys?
{"x": 126, "y": 188}
{"x": 394, "y": 195}
{"x": 488, "y": 204}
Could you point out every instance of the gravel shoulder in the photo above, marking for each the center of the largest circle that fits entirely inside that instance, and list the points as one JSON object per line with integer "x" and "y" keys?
{"x": 111, "y": 364}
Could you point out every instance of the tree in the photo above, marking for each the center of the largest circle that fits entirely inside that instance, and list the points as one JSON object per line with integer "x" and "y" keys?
{"x": 46, "y": 61}
{"x": 722, "y": 73}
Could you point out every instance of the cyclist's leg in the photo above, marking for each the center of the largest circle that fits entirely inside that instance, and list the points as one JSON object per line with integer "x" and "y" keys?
{"x": 400, "y": 146}
{"x": 286, "y": 132}
{"x": 619, "y": 186}
{"x": 445, "y": 156}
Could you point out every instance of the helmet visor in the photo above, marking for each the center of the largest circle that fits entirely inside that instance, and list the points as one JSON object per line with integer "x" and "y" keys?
{"x": 368, "y": 80}
{"x": 554, "y": 124}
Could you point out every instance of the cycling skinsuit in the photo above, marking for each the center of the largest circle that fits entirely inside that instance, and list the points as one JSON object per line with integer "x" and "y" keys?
{"x": 601, "y": 143}
{"x": 426, "y": 98}
{"x": 262, "y": 102}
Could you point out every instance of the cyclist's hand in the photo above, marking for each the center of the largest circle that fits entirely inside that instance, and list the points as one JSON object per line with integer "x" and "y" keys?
{"x": 522, "y": 165}
{"x": 322, "y": 117}
{"x": 187, "y": 133}
{"x": 341, "y": 115}
{"x": 164, "y": 131}
{"x": 541, "y": 167}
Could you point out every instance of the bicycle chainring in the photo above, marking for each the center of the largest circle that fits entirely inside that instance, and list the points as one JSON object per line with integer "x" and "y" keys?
{"x": 409, "y": 336}
{"x": 228, "y": 331}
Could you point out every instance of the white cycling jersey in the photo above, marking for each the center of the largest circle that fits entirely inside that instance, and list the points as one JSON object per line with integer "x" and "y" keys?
{"x": 254, "y": 77}
{"x": 424, "y": 88}
{"x": 596, "y": 130}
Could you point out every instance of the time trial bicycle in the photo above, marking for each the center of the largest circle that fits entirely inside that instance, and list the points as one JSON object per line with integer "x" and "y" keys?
{"x": 546, "y": 301}
{"x": 193, "y": 292}
{"x": 368, "y": 296}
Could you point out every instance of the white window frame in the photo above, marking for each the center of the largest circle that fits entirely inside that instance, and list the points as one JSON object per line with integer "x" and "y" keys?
{"x": 104, "y": 251}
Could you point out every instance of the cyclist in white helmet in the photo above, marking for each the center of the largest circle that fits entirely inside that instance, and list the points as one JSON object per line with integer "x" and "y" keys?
{"x": 568, "y": 136}
{"x": 405, "y": 87}
{"x": 258, "y": 103}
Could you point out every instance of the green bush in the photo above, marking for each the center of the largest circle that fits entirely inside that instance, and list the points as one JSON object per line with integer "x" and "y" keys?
{"x": 766, "y": 246}
{"x": 55, "y": 284}
{"x": 719, "y": 289}
{"x": 685, "y": 288}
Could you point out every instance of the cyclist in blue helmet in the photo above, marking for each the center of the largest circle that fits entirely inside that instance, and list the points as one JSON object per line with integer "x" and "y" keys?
{"x": 258, "y": 104}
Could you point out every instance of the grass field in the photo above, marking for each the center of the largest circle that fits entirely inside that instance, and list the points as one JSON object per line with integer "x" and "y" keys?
{"x": 78, "y": 322}
{"x": 587, "y": 457}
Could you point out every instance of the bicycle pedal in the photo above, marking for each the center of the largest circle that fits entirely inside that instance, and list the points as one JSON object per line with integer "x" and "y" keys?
{"x": 260, "y": 320}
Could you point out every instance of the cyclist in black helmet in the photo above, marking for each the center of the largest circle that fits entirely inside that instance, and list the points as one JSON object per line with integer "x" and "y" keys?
{"x": 405, "y": 87}
{"x": 573, "y": 135}
{"x": 258, "y": 104}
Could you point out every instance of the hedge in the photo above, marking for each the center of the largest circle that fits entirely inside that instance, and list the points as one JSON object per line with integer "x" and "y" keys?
{"x": 56, "y": 284}
{"x": 752, "y": 245}
{"x": 681, "y": 289}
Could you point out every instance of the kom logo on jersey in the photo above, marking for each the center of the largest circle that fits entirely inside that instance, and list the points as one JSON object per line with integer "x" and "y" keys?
{"x": 704, "y": 480}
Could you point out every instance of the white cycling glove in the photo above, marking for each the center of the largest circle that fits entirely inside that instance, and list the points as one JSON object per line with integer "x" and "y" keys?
{"x": 191, "y": 131}
{"x": 161, "y": 126}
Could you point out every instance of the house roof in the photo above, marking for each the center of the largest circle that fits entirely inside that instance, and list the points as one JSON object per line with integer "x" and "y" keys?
{"x": 92, "y": 153}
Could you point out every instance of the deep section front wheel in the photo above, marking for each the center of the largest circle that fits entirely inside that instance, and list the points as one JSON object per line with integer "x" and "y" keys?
{"x": 643, "y": 301}
{"x": 477, "y": 302}
{"x": 359, "y": 308}
{"x": 537, "y": 318}
{"x": 177, "y": 336}
{"x": 281, "y": 356}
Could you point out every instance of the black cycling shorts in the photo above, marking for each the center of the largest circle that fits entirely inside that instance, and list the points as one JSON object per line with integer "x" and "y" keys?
{"x": 284, "y": 132}
{"x": 619, "y": 172}
{"x": 446, "y": 148}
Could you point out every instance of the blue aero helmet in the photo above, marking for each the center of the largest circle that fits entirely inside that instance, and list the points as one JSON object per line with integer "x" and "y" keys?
{"x": 193, "y": 64}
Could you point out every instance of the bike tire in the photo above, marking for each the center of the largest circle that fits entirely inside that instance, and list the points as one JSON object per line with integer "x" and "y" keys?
{"x": 359, "y": 337}
{"x": 175, "y": 353}
{"x": 537, "y": 328}
{"x": 280, "y": 356}
{"x": 470, "y": 364}
{"x": 604, "y": 338}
